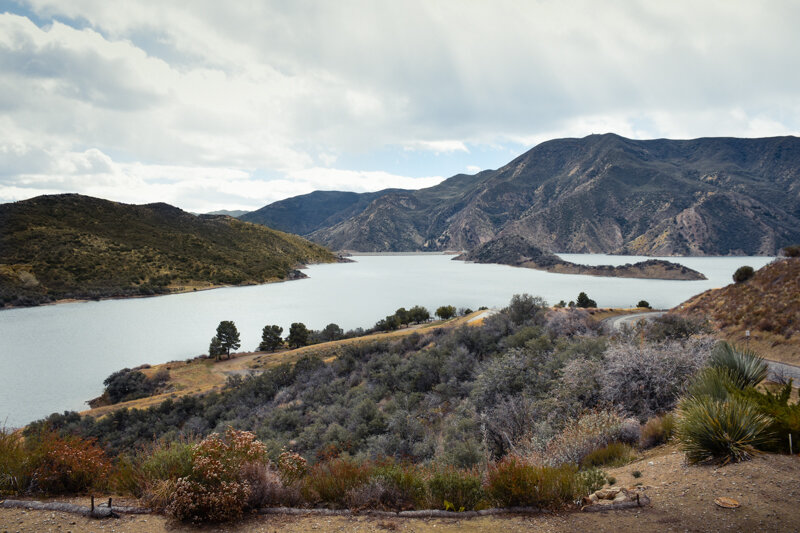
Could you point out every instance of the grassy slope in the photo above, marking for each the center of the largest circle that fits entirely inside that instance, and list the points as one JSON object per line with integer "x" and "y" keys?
{"x": 199, "y": 376}
{"x": 72, "y": 246}
{"x": 768, "y": 305}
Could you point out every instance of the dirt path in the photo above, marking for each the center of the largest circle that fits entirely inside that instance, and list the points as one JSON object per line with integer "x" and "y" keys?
{"x": 767, "y": 488}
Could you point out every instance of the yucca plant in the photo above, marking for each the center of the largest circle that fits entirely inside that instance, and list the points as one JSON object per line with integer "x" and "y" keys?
{"x": 747, "y": 368}
{"x": 715, "y": 382}
{"x": 721, "y": 431}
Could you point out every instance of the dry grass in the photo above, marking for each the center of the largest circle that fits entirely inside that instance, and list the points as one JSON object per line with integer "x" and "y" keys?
{"x": 203, "y": 375}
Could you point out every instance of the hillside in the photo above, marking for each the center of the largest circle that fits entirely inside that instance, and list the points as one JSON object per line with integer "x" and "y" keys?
{"x": 768, "y": 305}
{"x": 515, "y": 250}
{"x": 601, "y": 193}
{"x": 72, "y": 246}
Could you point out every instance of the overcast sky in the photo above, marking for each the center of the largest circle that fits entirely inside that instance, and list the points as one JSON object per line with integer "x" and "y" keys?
{"x": 233, "y": 105}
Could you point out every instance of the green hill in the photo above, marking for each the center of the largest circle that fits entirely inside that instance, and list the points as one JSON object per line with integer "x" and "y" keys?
{"x": 73, "y": 246}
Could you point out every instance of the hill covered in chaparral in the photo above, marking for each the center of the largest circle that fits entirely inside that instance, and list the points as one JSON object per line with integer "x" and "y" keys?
{"x": 768, "y": 305}
{"x": 73, "y": 246}
{"x": 601, "y": 193}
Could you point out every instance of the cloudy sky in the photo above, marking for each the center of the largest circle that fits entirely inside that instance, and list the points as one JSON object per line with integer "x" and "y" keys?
{"x": 212, "y": 105}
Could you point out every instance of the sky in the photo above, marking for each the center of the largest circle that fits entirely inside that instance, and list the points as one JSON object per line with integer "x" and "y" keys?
{"x": 212, "y": 105}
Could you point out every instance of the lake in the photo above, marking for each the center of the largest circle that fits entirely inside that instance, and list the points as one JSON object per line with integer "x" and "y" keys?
{"x": 55, "y": 357}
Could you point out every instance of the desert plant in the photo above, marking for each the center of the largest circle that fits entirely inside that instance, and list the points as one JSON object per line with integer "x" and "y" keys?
{"x": 404, "y": 483}
{"x": 785, "y": 416}
{"x": 714, "y": 382}
{"x": 215, "y": 490}
{"x": 590, "y": 432}
{"x": 710, "y": 430}
{"x": 591, "y": 479}
{"x": 657, "y": 430}
{"x": 791, "y": 251}
{"x": 514, "y": 483}
{"x": 331, "y": 481}
{"x": 67, "y": 465}
{"x": 743, "y": 273}
{"x": 292, "y": 467}
{"x": 455, "y": 489}
{"x": 747, "y": 369}
{"x": 15, "y": 464}
{"x": 612, "y": 454}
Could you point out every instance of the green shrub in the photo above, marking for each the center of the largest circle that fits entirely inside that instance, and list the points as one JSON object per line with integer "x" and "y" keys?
{"x": 455, "y": 489}
{"x": 710, "y": 430}
{"x": 613, "y": 454}
{"x": 15, "y": 467}
{"x": 747, "y": 368}
{"x": 644, "y": 304}
{"x": 591, "y": 479}
{"x": 512, "y": 482}
{"x": 405, "y": 484}
{"x": 329, "y": 482}
{"x": 743, "y": 273}
{"x": 590, "y": 432}
{"x": 658, "y": 430}
{"x": 785, "y": 416}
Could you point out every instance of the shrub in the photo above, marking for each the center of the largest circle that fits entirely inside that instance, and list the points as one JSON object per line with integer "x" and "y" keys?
{"x": 15, "y": 468}
{"x": 747, "y": 369}
{"x": 644, "y": 304}
{"x": 658, "y": 430}
{"x": 330, "y": 482}
{"x": 404, "y": 484}
{"x": 514, "y": 483}
{"x": 525, "y": 308}
{"x": 674, "y": 327}
{"x": 711, "y": 430}
{"x": 215, "y": 490}
{"x": 68, "y": 465}
{"x": 571, "y": 322}
{"x": 590, "y": 432}
{"x": 592, "y": 479}
{"x": 612, "y": 454}
{"x": 446, "y": 311}
{"x": 714, "y": 382}
{"x": 785, "y": 416}
{"x": 743, "y": 273}
{"x": 455, "y": 489}
{"x": 266, "y": 488}
{"x": 648, "y": 379}
{"x": 791, "y": 251}
{"x": 292, "y": 467}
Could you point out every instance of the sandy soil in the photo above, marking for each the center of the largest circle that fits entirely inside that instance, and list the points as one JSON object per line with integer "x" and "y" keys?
{"x": 767, "y": 488}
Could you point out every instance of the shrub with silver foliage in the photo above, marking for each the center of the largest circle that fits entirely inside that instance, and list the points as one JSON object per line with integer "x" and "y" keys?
{"x": 647, "y": 379}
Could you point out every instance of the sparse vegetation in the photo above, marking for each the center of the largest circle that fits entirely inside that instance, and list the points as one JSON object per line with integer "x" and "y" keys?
{"x": 584, "y": 301}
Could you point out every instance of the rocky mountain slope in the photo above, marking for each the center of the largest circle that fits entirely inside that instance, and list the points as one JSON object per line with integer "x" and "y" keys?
{"x": 515, "y": 250}
{"x": 601, "y": 193}
{"x": 73, "y": 246}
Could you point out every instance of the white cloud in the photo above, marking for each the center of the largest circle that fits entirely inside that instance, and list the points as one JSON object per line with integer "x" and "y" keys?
{"x": 141, "y": 98}
{"x": 472, "y": 169}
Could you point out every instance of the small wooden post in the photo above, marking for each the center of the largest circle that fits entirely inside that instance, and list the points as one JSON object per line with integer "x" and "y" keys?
{"x": 92, "y": 503}
{"x": 791, "y": 451}
{"x": 109, "y": 504}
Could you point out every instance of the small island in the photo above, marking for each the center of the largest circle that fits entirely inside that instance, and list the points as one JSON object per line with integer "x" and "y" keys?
{"x": 515, "y": 250}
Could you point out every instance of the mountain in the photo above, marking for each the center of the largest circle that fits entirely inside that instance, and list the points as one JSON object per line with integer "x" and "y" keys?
{"x": 308, "y": 213}
{"x": 601, "y": 193}
{"x": 515, "y": 250}
{"x": 235, "y": 213}
{"x": 73, "y": 246}
{"x": 768, "y": 305}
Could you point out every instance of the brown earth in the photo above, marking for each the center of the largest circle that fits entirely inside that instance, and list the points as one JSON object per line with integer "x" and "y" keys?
{"x": 767, "y": 488}
{"x": 767, "y": 305}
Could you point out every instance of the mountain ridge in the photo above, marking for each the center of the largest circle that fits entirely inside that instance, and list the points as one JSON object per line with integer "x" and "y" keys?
{"x": 598, "y": 194}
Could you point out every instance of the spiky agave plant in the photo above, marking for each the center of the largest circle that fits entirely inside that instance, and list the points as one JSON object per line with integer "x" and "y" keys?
{"x": 747, "y": 368}
{"x": 721, "y": 431}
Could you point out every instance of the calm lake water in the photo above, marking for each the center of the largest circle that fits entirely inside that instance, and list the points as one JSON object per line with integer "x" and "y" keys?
{"x": 54, "y": 358}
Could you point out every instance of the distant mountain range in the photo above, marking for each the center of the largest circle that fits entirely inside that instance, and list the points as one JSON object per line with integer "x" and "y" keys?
{"x": 73, "y": 246}
{"x": 601, "y": 193}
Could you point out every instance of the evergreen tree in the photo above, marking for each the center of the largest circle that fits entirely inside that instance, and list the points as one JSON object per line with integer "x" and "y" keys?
{"x": 271, "y": 338}
{"x": 298, "y": 335}
{"x": 584, "y": 301}
{"x": 228, "y": 338}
